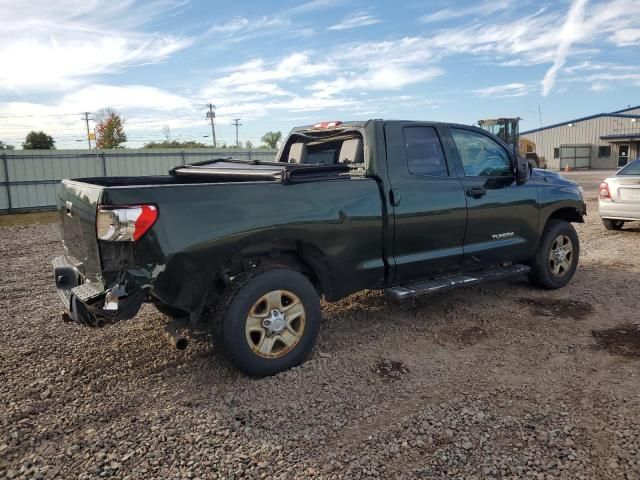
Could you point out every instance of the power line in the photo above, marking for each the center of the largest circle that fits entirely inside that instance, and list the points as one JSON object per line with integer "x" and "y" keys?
{"x": 236, "y": 122}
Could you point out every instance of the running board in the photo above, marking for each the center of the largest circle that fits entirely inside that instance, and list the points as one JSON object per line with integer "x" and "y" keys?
{"x": 425, "y": 287}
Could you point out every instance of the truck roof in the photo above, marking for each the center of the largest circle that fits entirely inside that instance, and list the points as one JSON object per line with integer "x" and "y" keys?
{"x": 363, "y": 123}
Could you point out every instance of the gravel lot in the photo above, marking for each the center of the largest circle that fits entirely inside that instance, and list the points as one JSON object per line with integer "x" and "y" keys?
{"x": 498, "y": 381}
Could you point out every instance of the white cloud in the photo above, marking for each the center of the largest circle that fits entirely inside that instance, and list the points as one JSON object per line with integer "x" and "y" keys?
{"x": 68, "y": 42}
{"x": 598, "y": 87}
{"x": 257, "y": 86}
{"x": 355, "y": 20}
{"x": 250, "y": 76}
{"x": 95, "y": 97}
{"x": 384, "y": 78}
{"x": 570, "y": 32}
{"x": 310, "y": 6}
{"x": 508, "y": 90}
{"x": 626, "y": 37}
{"x": 482, "y": 9}
{"x": 243, "y": 24}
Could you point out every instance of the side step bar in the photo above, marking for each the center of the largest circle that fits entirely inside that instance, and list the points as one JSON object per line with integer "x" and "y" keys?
{"x": 448, "y": 282}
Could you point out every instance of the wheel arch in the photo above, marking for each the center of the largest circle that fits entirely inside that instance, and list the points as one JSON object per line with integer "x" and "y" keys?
{"x": 569, "y": 214}
{"x": 298, "y": 255}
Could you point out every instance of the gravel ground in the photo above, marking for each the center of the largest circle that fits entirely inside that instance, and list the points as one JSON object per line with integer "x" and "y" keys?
{"x": 497, "y": 381}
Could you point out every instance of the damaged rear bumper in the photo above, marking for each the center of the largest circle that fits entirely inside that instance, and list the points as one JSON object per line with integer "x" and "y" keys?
{"x": 91, "y": 303}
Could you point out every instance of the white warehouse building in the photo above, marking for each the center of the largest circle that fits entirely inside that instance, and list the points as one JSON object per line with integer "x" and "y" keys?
{"x": 604, "y": 140}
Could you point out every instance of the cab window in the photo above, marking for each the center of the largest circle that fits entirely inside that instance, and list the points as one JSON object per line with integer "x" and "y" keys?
{"x": 480, "y": 155}
{"x": 424, "y": 152}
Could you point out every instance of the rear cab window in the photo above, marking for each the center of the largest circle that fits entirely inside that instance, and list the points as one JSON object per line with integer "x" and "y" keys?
{"x": 326, "y": 148}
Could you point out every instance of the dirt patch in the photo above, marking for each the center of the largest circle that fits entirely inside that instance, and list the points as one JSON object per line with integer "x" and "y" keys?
{"x": 390, "y": 369}
{"x": 22, "y": 219}
{"x": 623, "y": 340}
{"x": 557, "y": 307}
{"x": 472, "y": 335}
{"x": 465, "y": 336}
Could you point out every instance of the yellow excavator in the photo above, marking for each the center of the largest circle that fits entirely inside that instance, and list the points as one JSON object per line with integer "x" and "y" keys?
{"x": 508, "y": 130}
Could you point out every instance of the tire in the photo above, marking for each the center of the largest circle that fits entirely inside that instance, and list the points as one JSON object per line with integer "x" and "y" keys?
{"x": 170, "y": 311}
{"x": 557, "y": 257}
{"x": 612, "y": 224}
{"x": 253, "y": 323}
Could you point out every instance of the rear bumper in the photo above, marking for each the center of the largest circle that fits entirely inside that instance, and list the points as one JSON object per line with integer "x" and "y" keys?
{"x": 619, "y": 210}
{"x": 90, "y": 303}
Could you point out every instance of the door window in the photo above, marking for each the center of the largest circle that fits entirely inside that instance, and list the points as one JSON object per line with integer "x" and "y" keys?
{"x": 480, "y": 155}
{"x": 424, "y": 152}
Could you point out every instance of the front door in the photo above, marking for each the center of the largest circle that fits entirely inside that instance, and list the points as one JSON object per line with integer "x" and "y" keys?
{"x": 502, "y": 217}
{"x": 427, "y": 201}
{"x": 623, "y": 155}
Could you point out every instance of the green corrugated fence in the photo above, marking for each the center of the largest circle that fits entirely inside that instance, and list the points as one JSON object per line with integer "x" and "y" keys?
{"x": 28, "y": 178}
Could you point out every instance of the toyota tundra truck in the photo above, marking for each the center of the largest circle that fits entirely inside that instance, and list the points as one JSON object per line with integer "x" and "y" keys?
{"x": 247, "y": 249}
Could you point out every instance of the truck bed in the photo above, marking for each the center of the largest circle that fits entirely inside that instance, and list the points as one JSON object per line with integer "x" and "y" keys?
{"x": 208, "y": 208}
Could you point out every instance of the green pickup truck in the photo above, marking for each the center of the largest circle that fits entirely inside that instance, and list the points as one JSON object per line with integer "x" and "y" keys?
{"x": 248, "y": 248}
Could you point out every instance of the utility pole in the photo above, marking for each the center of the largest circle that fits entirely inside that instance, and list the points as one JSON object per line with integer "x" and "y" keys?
{"x": 236, "y": 122}
{"x": 86, "y": 119}
{"x": 211, "y": 115}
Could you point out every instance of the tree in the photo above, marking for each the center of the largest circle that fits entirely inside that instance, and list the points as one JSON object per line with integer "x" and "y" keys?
{"x": 272, "y": 139}
{"x": 6, "y": 146}
{"x": 110, "y": 130}
{"x": 38, "y": 141}
{"x": 248, "y": 145}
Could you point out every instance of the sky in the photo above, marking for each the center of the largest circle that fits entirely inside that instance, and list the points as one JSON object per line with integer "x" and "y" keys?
{"x": 279, "y": 64}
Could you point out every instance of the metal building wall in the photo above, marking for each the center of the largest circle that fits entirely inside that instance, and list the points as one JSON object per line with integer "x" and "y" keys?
{"x": 28, "y": 178}
{"x": 581, "y": 133}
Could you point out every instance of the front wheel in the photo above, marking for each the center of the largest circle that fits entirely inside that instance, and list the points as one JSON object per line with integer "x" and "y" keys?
{"x": 557, "y": 257}
{"x": 268, "y": 321}
{"x": 612, "y": 224}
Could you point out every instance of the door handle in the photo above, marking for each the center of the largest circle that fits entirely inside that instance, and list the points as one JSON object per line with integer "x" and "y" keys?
{"x": 476, "y": 192}
{"x": 394, "y": 196}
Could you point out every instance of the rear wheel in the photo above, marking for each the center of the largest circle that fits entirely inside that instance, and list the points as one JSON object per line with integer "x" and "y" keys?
{"x": 268, "y": 322}
{"x": 557, "y": 257}
{"x": 612, "y": 224}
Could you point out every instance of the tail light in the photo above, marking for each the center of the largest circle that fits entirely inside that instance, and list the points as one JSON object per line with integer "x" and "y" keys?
{"x": 604, "y": 191}
{"x": 125, "y": 224}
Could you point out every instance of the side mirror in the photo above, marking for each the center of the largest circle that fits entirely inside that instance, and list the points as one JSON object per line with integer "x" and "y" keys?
{"x": 522, "y": 171}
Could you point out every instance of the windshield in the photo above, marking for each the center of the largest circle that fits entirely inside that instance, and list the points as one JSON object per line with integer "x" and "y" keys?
{"x": 632, "y": 169}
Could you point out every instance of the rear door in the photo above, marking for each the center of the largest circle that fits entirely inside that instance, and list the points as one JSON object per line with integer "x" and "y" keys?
{"x": 428, "y": 202}
{"x": 502, "y": 219}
